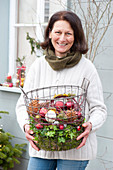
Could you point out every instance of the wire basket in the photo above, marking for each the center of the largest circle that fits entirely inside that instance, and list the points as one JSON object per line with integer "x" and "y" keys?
{"x": 56, "y": 115}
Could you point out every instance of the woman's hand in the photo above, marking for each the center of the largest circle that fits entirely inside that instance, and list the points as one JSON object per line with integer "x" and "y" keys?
{"x": 30, "y": 138}
{"x": 85, "y": 134}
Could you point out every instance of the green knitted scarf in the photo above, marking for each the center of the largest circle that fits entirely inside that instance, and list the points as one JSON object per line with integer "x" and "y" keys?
{"x": 70, "y": 60}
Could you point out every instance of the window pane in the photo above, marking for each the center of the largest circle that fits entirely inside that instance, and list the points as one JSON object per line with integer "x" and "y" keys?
{"x": 23, "y": 45}
{"x": 46, "y": 11}
{"x": 27, "y": 11}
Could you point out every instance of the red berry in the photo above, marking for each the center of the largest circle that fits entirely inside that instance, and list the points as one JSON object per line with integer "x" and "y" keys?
{"x": 61, "y": 127}
{"x": 69, "y": 104}
{"x": 78, "y": 128}
{"x": 59, "y": 105}
{"x": 39, "y": 126}
{"x": 43, "y": 111}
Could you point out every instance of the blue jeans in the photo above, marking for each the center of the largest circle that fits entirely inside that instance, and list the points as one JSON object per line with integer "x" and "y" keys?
{"x": 52, "y": 164}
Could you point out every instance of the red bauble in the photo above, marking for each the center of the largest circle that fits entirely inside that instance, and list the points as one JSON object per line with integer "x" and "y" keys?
{"x": 79, "y": 114}
{"x": 39, "y": 126}
{"x": 59, "y": 105}
{"x": 69, "y": 104}
{"x": 10, "y": 84}
{"x": 61, "y": 127}
{"x": 43, "y": 111}
{"x": 78, "y": 128}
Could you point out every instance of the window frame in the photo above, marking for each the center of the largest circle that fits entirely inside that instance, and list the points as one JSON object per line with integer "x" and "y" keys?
{"x": 12, "y": 36}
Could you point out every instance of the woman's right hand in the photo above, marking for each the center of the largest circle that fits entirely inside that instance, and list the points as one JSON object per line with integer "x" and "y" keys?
{"x": 29, "y": 136}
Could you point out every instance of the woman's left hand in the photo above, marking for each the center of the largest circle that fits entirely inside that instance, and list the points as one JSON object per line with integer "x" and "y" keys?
{"x": 85, "y": 134}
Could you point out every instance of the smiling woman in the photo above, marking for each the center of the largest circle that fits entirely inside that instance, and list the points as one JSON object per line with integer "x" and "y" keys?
{"x": 63, "y": 64}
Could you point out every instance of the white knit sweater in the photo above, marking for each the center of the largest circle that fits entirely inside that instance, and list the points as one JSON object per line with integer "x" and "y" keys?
{"x": 41, "y": 75}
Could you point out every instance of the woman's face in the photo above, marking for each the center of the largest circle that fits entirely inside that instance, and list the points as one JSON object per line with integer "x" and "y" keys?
{"x": 62, "y": 37}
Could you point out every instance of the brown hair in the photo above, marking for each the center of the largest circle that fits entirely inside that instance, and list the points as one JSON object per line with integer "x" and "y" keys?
{"x": 80, "y": 44}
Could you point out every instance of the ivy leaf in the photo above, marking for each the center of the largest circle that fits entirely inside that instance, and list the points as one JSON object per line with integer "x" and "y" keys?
{"x": 50, "y": 133}
{"x": 61, "y": 139}
{"x": 55, "y": 127}
{"x": 61, "y": 133}
{"x": 36, "y": 138}
{"x": 72, "y": 135}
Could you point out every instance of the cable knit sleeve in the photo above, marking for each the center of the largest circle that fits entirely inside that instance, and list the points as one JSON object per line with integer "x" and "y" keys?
{"x": 97, "y": 108}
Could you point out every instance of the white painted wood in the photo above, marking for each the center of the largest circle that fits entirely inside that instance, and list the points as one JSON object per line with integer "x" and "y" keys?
{"x": 10, "y": 89}
{"x": 12, "y": 36}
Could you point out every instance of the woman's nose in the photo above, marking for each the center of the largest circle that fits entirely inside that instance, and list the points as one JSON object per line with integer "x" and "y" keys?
{"x": 62, "y": 37}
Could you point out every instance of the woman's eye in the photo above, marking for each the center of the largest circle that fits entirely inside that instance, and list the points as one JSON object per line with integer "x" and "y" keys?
{"x": 57, "y": 32}
{"x": 68, "y": 33}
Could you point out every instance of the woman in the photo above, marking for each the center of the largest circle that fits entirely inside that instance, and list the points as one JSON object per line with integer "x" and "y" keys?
{"x": 63, "y": 63}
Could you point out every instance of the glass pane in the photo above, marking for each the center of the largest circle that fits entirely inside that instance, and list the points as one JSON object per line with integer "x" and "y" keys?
{"x": 46, "y": 18}
{"x": 23, "y": 45}
{"x": 27, "y": 11}
{"x": 46, "y": 11}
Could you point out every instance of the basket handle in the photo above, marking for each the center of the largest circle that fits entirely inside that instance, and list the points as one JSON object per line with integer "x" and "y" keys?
{"x": 23, "y": 91}
{"x": 85, "y": 84}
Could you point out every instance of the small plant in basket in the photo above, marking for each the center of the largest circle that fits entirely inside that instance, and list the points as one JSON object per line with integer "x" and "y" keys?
{"x": 56, "y": 120}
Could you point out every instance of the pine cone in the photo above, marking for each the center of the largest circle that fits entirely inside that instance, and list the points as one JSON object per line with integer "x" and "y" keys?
{"x": 33, "y": 107}
{"x": 71, "y": 114}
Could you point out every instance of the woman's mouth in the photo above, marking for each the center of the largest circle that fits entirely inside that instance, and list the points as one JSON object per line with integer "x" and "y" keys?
{"x": 62, "y": 44}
